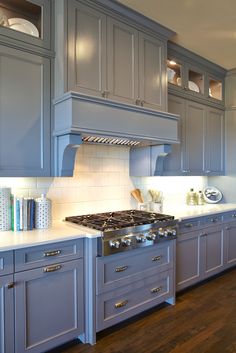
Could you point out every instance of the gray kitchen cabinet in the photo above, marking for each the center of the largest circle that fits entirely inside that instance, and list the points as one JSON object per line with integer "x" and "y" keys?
{"x": 87, "y": 45}
{"x": 6, "y": 314}
{"x": 6, "y": 302}
{"x": 202, "y": 139}
{"x": 48, "y": 306}
{"x": 122, "y": 61}
{"x": 24, "y": 114}
{"x": 212, "y": 252}
{"x": 128, "y": 284}
{"x": 152, "y": 86}
{"x": 188, "y": 264}
{"x": 193, "y": 77}
{"x": 109, "y": 55}
{"x": 38, "y": 13}
{"x": 230, "y": 244}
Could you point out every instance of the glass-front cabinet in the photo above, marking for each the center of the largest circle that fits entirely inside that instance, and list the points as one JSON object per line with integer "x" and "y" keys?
{"x": 26, "y": 20}
{"x": 191, "y": 75}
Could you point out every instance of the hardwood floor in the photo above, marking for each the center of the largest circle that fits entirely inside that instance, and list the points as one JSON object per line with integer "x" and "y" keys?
{"x": 202, "y": 321}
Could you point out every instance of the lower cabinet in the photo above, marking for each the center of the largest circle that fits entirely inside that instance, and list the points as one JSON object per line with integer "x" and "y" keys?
{"x": 6, "y": 314}
{"x": 42, "y": 302}
{"x": 205, "y": 251}
{"x": 129, "y": 283}
{"x": 48, "y": 306}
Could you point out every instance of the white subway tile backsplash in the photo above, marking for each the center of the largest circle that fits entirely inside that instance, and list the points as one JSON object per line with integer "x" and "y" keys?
{"x": 101, "y": 183}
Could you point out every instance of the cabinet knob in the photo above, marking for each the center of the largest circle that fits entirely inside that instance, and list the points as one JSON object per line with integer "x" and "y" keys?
{"x": 138, "y": 101}
{"x": 142, "y": 103}
{"x": 105, "y": 93}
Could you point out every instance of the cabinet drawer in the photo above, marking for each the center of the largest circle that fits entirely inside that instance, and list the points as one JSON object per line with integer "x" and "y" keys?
{"x": 122, "y": 269}
{"x": 116, "y": 306}
{"x": 37, "y": 256}
{"x": 229, "y": 216}
{"x": 189, "y": 225}
{"x": 6, "y": 262}
{"x": 213, "y": 219}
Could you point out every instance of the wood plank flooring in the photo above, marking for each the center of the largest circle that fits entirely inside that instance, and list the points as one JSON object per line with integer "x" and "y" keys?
{"x": 202, "y": 321}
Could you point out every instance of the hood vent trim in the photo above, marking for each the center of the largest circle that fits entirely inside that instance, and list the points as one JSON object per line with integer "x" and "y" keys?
{"x": 81, "y": 119}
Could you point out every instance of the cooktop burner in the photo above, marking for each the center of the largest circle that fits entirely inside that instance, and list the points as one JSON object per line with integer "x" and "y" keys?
{"x": 109, "y": 221}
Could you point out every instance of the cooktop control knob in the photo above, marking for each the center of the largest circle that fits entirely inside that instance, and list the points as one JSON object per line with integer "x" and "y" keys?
{"x": 151, "y": 236}
{"x": 161, "y": 232}
{"x": 114, "y": 244}
{"x": 140, "y": 238}
{"x": 170, "y": 232}
{"x": 126, "y": 241}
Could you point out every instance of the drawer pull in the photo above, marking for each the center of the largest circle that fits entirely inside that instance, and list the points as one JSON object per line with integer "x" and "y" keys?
{"x": 52, "y": 268}
{"x": 214, "y": 220}
{"x": 121, "y": 304}
{"x": 188, "y": 225}
{"x": 203, "y": 234}
{"x": 234, "y": 215}
{"x": 121, "y": 268}
{"x": 52, "y": 253}
{"x": 157, "y": 258}
{"x": 156, "y": 290}
{"x": 10, "y": 285}
{"x": 227, "y": 228}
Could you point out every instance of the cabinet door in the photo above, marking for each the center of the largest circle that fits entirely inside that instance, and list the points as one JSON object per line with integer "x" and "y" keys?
{"x": 212, "y": 243}
{"x": 188, "y": 260}
{"x": 214, "y": 142}
{"x": 86, "y": 49}
{"x": 230, "y": 244}
{"x": 48, "y": 306}
{"x": 152, "y": 83}
{"x": 122, "y": 56}
{"x": 173, "y": 161}
{"x": 24, "y": 114}
{"x": 194, "y": 137}
{"x": 6, "y": 315}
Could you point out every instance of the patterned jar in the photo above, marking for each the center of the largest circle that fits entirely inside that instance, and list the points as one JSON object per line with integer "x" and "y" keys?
{"x": 5, "y": 209}
{"x": 43, "y": 212}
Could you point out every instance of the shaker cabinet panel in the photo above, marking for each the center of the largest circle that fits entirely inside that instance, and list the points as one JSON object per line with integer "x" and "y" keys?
{"x": 6, "y": 314}
{"x": 86, "y": 49}
{"x": 230, "y": 244}
{"x": 194, "y": 137}
{"x": 24, "y": 114}
{"x": 214, "y": 141}
{"x": 122, "y": 56}
{"x": 48, "y": 306}
{"x": 152, "y": 86}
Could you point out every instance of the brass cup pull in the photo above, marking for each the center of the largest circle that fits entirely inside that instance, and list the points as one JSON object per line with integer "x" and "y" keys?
{"x": 121, "y": 268}
{"x": 156, "y": 290}
{"x": 52, "y": 268}
{"x": 188, "y": 225}
{"x": 213, "y": 220}
{"x": 52, "y": 253}
{"x": 121, "y": 304}
{"x": 10, "y": 285}
{"x": 234, "y": 215}
{"x": 157, "y": 258}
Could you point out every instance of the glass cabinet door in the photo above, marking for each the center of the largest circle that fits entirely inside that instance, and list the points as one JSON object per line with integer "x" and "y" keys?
{"x": 27, "y": 21}
{"x": 195, "y": 81}
{"x": 21, "y": 15}
{"x": 215, "y": 88}
{"x": 174, "y": 72}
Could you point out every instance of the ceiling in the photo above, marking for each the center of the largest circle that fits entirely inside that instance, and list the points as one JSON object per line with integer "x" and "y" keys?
{"x": 206, "y": 27}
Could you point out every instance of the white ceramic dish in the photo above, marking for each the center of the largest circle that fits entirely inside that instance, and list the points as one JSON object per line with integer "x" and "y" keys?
{"x": 193, "y": 86}
{"x": 22, "y": 25}
{"x": 212, "y": 194}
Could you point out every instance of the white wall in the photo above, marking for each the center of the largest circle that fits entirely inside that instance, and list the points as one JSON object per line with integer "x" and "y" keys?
{"x": 101, "y": 183}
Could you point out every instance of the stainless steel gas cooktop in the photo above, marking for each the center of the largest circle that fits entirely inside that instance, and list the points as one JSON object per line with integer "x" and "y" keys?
{"x": 128, "y": 230}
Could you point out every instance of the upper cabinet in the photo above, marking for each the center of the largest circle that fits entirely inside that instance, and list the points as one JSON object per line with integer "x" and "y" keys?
{"x": 109, "y": 55}
{"x": 193, "y": 77}
{"x": 26, "y": 23}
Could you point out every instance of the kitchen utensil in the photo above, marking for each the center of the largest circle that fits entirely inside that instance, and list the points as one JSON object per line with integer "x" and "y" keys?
{"x": 155, "y": 195}
{"x": 136, "y": 193}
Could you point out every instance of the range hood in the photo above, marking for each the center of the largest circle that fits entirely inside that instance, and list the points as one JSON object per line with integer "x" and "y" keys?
{"x": 85, "y": 119}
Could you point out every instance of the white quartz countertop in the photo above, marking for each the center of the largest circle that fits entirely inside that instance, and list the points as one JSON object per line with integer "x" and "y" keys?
{"x": 185, "y": 212}
{"x": 60, "y": 231}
